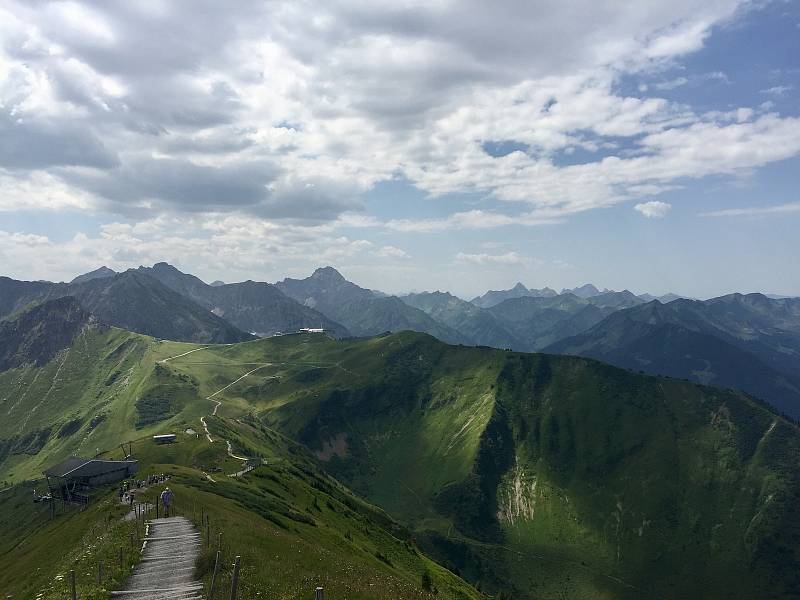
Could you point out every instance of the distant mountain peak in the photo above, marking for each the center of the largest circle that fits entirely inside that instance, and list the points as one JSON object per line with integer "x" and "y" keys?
{"x": 217, "y": 283}
{"x": 328, "y": 274}
{"x": 165, "y": 266}
{"x": 100, "y": 273}
{"x": 587, "y": 290}
{"x": 519, "y": 287}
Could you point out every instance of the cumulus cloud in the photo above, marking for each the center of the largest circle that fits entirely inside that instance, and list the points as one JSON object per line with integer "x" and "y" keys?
{"x": 298, "y": 108}
{"x": 654, "y": 209}
{"x": 777, "y": 90}
{"x": 238, "y": 246}
{"x": 391, "y": 252}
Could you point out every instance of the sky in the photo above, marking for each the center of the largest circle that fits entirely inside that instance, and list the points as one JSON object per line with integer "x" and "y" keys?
{"x": 452, "y": 145}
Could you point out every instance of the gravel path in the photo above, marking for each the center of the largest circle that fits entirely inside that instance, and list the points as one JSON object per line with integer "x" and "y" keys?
{"x": 166, "y": 571}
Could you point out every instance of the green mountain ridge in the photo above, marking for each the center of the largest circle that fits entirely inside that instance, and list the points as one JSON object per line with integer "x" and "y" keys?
{"x": 604, "y": 475}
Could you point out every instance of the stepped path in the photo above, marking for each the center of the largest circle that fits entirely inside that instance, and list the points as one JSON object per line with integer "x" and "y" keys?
{"x": 166, "y": 571}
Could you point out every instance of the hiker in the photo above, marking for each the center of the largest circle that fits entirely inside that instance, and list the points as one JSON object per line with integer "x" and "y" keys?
{"x": 166, "y": 500}
{"x": 131, "y": 495}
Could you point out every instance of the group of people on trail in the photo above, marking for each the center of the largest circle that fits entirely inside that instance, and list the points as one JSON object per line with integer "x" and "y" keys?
{"x": 127, "y": 490}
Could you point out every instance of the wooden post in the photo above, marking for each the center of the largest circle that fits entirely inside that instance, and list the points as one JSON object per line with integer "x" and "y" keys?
{"x": 120, "y": 558}
{"x": 208, "y": 536}
{"x": 319, "y": 594}
{"x": 235, "y": 578}
{"x": 72, "y": 592}
{"x": 219, "y": 542}
{"x": 157, "y": 497}
{"x": 214, "y": 577}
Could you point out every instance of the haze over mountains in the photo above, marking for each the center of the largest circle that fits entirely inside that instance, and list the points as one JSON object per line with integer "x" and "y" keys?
{"x": 749, "y": 342}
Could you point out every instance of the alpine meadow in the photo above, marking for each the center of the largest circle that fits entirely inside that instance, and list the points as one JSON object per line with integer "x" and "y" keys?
{"x": 377, "y": 301}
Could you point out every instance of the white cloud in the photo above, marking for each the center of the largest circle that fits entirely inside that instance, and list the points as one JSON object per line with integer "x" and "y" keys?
{"x": 39, "y": 191}
{"x": 509, "y": 258}
{"x": 654, "y": 209}
{"x": 777, "y": 90}
{"x": 753, "y": 211}
{"x": 671, "y": 84}
{"x": 297, "y": 109}
{"x": 215, "y": 244}
{"x": 391, "y": 252}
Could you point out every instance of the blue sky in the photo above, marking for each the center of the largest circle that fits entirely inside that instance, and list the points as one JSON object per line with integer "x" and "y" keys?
{"x": 445, "y": 145}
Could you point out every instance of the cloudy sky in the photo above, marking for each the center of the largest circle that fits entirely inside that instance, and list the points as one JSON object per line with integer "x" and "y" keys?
{"x": 433, "y": 144}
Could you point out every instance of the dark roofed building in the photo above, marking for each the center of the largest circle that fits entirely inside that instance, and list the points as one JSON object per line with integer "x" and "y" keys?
{"x": 70, "y": 479}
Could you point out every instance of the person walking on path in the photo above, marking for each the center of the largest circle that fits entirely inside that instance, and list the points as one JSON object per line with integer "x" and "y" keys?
{"x": 166, "y": 500}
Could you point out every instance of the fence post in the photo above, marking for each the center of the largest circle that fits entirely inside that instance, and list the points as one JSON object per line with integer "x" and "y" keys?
{"x": 72, "y": 585}
{"x": 214, "y": 577}
{"x": 235, "y": 578}
{"x": 319, "y": 594}
{"x": 120, "y": 558}
{"x": 156, "y": 506}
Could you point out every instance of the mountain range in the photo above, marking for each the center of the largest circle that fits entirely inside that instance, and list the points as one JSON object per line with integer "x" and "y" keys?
{"x": 129, "y": 300}
{"x": 364, "y": 312}
{"x": 747, "y": 342}
{"x": 260, "y": 308}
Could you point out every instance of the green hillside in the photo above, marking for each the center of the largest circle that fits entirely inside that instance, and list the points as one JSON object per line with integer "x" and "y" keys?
{"x": 104, "y": 389}
{"x": 293, "y": 526}
{"x": 532, "y": 475}
{"x": 539, "y": 475}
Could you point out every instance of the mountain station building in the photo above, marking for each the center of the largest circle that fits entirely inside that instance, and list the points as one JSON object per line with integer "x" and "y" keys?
{"x": 71, "y": 479}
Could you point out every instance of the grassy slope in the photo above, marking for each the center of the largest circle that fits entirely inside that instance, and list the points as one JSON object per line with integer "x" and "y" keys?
{"x": 544, "y": 475}
{"x": 36, "y": 553}
{"x": 85, "y": 400}
{"x": 293, "y": 527}
{"x": 286, "y": 514}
